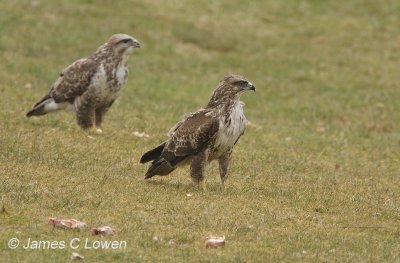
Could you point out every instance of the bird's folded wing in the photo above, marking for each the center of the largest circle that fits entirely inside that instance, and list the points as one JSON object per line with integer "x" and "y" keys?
{"x": 74, "y": 80}
{"x": 193, "y": 134}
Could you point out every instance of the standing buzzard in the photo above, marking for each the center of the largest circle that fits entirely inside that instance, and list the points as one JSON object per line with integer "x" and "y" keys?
{"x": 90, "y": 85}
{"x": 205, "y": 135}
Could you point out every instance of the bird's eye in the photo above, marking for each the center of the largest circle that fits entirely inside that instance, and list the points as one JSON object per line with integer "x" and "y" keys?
{"x": 240, "y": 83}
{"x": 126, "y": 40}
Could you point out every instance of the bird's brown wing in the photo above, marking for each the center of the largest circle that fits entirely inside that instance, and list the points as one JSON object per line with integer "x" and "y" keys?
{"x": 189, "y": 137}
{"x": 192, "y": 135}
{"x": 74, "y": 80}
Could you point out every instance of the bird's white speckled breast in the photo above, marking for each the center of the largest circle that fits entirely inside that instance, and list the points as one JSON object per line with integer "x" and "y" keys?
{"x": 121, "y": 75}
{"x": 230, "y": 129}
{"x": 107, "y": 91}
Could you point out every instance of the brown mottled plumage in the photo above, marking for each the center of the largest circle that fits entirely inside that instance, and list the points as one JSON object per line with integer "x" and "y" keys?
{"x": 90, "y": 85}
{"x": 205, "y": 135}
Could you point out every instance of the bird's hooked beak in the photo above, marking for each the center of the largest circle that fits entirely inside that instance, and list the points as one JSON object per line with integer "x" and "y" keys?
{"x": 250, "y": 86}
{"x": 135, "y": 43}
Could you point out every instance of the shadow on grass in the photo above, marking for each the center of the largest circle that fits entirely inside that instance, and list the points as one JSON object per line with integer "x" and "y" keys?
{"x": 160, "y": 183}
{"x": 184, "y": 186}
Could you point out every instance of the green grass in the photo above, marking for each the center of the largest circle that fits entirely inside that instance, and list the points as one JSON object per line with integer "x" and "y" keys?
{"x": 316, "y": 178}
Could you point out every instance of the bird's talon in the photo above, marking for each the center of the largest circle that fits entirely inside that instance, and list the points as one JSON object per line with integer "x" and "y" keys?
{"x": 203, "y": 186}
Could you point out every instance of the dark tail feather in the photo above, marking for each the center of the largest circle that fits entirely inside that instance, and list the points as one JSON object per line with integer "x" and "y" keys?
{"x": 159, "y": 167}
{"x": 152, "y": 154}
{"x": 37, "y": 110}
{"x": 46, "y": 97}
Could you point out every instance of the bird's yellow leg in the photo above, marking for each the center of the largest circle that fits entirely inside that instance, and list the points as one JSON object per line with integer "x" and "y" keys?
{"x": 203, "y": 185}
{"x": 223, "y": 186}
{"x": 92, "y": 132}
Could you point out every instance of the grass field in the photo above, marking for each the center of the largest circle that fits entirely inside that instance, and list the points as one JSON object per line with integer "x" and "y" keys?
{"x": 315, "y": 178}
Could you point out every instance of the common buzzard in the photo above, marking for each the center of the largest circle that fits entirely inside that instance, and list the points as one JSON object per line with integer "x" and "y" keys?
{"x": 205, "y": 135}
{"x": 90, "y": 85}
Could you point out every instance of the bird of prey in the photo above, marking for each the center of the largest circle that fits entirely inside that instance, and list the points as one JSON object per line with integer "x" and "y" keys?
{"x": 90, "y": 85}
{"x": 205, "y": 135}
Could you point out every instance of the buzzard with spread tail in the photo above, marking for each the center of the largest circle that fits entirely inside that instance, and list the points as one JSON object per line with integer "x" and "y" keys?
{"x": 90, "y": 85}
{"x": 205, "y": 135}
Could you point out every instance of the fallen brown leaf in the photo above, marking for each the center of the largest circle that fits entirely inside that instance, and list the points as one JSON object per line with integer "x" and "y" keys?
{"x": 213, "y": 241}
{"x": 76, "y": 256}
{"x": 66, "y": 223}
{"x": 104, "y": 231}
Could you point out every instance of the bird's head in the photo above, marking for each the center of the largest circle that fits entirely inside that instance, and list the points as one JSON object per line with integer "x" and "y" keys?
{"x": 123, "y": 44}
{"x": 229, "y": 89}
